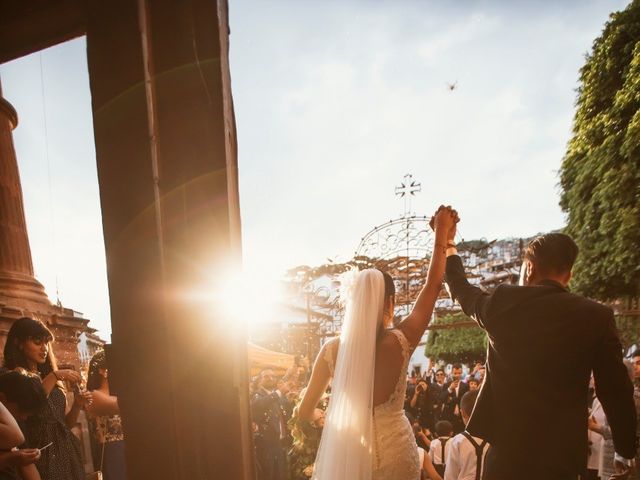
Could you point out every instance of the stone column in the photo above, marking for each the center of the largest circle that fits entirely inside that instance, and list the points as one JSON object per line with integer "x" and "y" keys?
{"x": 16, "y": 268}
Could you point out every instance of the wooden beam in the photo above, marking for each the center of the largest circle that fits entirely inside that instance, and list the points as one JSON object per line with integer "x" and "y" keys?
{"x": 165, "y": 149}
{"x": 27, "y": 26}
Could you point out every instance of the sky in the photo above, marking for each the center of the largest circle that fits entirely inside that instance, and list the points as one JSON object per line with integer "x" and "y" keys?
{"x": 335, "y": 102}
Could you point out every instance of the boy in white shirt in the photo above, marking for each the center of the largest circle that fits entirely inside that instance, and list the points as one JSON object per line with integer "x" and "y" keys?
{"x": 438, "y": 447}
{"x": 465, "y": 455}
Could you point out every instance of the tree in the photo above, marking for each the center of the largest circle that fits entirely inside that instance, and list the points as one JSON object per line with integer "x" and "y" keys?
{"x": 600, "y": 173}
{"x": 628, "y": 330}
{"x": 465, "y": 344}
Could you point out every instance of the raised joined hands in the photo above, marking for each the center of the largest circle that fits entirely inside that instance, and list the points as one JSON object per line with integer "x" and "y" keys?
{"x": 445, "y": 218}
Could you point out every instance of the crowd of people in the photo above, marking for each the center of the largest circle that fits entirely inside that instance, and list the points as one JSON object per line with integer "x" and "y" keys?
{"x": 438, "y": 403}
{"x": 285, "y": 449}
{"x": 40, "y": 405}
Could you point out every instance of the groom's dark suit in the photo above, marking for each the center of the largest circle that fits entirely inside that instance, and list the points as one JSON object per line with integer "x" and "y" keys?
{"x": 544, "y": 342}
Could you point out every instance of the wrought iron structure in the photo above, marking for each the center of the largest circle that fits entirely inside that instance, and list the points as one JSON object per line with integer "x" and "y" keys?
{"x": 403, "y": 248}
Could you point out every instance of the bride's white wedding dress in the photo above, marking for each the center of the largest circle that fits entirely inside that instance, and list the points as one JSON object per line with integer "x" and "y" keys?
{"x": 395, "y": 455}
{"x": 360, "y": 442}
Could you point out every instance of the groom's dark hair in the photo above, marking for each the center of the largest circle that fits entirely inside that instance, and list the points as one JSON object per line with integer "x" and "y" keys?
{"x": 552, "y": 253}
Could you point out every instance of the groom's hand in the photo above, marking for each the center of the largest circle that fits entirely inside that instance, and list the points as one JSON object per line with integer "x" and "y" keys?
{"x": 446, "y": 218}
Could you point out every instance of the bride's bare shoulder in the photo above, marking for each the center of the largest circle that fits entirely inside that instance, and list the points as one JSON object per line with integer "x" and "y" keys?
{"x": 333, "y": 341}
{"x": 388, "y": 351}
{"x": 330, "y": 349}
{"x": 387, "y": 340}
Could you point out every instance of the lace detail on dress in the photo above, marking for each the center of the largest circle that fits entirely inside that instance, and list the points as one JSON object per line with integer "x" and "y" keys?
{"x": 404, "y": 343}
{"x": 395, "y": 451}
{"x": 401, "y": 386}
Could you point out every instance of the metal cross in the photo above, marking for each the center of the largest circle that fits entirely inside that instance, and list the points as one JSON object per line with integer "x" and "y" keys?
{"x": 406, "y": 190}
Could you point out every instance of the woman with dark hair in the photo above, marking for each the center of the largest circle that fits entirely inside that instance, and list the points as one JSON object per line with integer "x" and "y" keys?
{"x": 105, "y": 415}
{"x": 366, "y": 435}
{"x": 28, "y": 348}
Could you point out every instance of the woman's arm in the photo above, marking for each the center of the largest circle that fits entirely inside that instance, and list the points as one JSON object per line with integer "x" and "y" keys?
{"x": 320, "y": 377}
{"x": 103, "y": 404}
{"x": 10, "y": 433}
{"x": 50, "y": 381}
{"x": 414, "y": 399}
{"x": 428, "y": 467}
{"x": 417, "y": 321}
{"x": 79, "y": 401}
{"x": 30, "y": 472}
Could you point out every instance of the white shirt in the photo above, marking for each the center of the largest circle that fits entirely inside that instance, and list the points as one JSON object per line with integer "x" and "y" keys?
{"x": 593, "y": 462}
{"x": 462, "y": 459}
{"x": 435, "y": 451}
{"x": 421, "y": 454}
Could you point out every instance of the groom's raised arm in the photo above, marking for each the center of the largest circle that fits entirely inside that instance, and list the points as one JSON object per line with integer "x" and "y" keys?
{"x": 473, "y": 300}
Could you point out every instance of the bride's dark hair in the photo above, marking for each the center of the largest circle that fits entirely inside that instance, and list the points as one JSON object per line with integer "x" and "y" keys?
{"x": 389, "y": 286}
{"x": 389, "y": 289}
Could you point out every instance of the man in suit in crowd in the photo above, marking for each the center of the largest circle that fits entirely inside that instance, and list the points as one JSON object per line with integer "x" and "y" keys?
{"x": 440, "y": 378}
{"x": 283, "y": 387}
{"x": 533, "y": 329}
{"x": 268, "y": 414}
{"x": 452, "y": 393}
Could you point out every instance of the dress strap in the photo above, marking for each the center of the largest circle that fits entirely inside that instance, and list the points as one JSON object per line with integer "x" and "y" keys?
{"x": 404, "y": 343}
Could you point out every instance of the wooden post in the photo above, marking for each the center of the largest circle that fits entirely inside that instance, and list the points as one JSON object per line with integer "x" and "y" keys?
{"x": 165, "y": 145}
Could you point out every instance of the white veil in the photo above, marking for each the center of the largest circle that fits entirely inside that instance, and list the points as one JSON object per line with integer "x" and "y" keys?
{"x": 345, "y": 451}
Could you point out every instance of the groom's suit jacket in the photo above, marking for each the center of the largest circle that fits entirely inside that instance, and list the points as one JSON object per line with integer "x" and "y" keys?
{"x": 544, "y": 342}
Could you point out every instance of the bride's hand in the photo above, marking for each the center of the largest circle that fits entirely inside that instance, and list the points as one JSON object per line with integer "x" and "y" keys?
{"x": 445, "y": 219}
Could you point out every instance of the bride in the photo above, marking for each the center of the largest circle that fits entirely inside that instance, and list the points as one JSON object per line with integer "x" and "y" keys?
{"x": 366, "y": 434}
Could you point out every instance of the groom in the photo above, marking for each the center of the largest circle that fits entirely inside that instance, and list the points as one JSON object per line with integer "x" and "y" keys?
{"x": 534, "y": 329}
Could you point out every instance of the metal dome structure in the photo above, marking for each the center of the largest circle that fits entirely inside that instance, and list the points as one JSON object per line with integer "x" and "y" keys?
{"x": 402, "y": 247}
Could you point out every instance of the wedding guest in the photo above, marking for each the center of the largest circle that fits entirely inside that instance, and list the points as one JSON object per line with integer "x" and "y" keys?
{"x": 283, "y": 388}
{"x": 425, "y": 403}
{"x": 267, "y": 412}
{"x": 595, "y": 439}
{"x": 600, "y": 425}
{"x": 451, "y": 396}
{"x": 20, "y": 396}
{"x": 474, "y": 384}
{"x": 427, "y": 469}
{"x": 465, "y": 458}
{"x": 440, "y": 377}
{"x": 104, "y": 413}
{"x": 422, "y": 436}
{"x": 438, "y": 450}
{"x": 28, "y": 348}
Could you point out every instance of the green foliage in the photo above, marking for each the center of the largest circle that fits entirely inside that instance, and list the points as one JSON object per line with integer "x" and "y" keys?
{"x": 464, "y": 344}
{"x": 628, "y": 330}
{"x": 600, "y": 174}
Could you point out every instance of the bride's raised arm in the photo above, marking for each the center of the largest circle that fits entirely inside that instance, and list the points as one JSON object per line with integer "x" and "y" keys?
{"x": 417, "y": 321}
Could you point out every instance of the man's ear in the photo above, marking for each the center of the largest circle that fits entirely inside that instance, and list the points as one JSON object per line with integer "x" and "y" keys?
{"x": 530, "y": 272}
{"x": 567, "y": 278}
